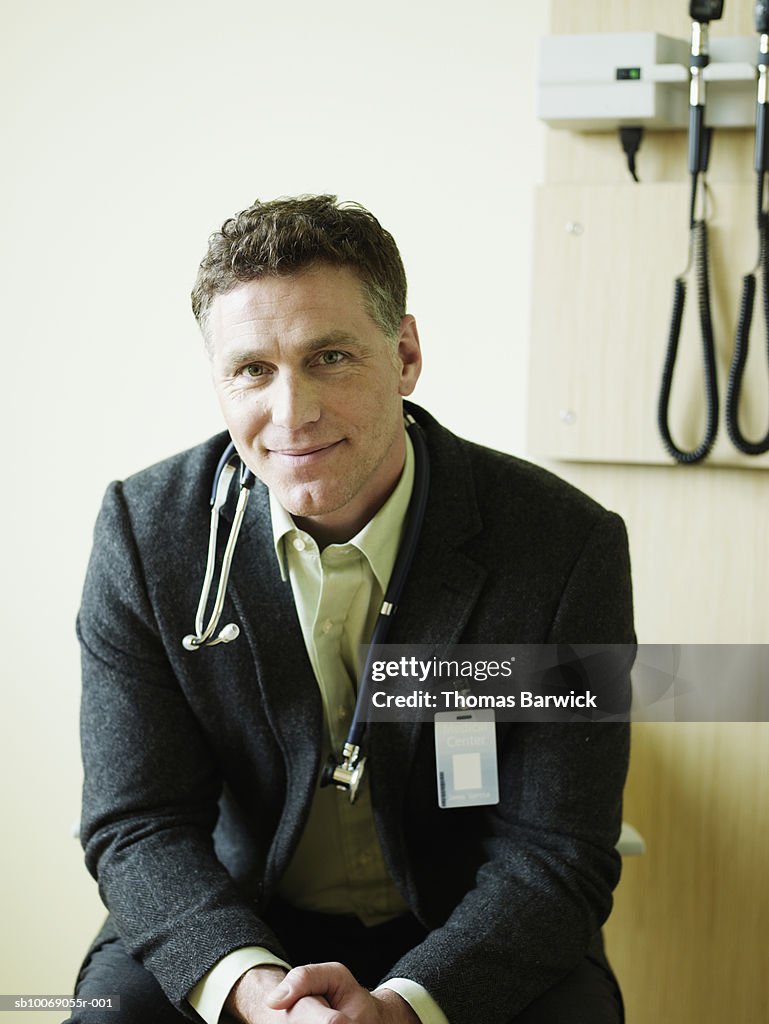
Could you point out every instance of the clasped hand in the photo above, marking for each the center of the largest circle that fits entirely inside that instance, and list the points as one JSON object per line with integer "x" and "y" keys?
{"x": 314, "y": 994}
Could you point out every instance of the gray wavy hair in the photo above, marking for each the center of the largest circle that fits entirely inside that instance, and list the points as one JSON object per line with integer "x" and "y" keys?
{"x": 286, "y": 235}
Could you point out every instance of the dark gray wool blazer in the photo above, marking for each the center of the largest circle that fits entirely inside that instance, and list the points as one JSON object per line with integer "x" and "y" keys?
{"x": 200, "y": 767}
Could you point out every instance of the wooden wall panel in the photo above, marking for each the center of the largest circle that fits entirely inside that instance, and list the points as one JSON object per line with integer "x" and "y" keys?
{"x": 605, "y": 259}
{"x": 689, "y": 935}
{"x": 699, "y": 545}
{"x": 669, "y": 17}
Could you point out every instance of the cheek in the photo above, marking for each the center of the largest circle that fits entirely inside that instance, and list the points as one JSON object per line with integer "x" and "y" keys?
{"x": 241, "y": 413}
{"x": 365, "y": 404}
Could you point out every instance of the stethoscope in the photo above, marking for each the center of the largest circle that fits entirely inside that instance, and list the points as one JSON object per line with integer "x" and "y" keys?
{"x": 225, "y": 471}
{"x": 344, "y": 771}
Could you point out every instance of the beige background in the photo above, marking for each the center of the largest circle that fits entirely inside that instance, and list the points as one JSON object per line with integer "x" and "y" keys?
{"x": 129, "y": 133}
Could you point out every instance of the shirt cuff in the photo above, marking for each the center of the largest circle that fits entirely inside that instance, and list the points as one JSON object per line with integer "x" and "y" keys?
{"x": 418, "y": 998}
{"x": 210, "y": 994}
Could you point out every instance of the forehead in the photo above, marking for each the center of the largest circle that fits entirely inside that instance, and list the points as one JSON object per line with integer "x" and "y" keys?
{"x": 319, "y": 298}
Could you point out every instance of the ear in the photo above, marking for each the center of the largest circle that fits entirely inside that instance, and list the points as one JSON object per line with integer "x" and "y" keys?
{"x": 409, "y": 355}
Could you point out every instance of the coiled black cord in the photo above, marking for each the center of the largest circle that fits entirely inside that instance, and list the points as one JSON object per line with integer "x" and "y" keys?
{"x": 742, "y": 341}
{"x": 699, "y": 243}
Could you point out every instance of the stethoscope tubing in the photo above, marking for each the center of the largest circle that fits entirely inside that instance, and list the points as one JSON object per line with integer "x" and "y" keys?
{"x": 403, "y": 563}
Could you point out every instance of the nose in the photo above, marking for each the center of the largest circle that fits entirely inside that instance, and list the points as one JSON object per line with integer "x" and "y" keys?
{"x": 295, "y": 401}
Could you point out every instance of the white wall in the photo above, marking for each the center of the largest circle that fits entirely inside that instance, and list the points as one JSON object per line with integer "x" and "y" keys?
{"x": 129, "y": 132}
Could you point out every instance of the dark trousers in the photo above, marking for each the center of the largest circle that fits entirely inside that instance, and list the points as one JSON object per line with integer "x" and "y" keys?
{"x": 589, "y": 995}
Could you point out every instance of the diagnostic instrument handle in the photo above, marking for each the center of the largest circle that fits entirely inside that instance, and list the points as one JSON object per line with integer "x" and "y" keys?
{"x": 706, "y": 10}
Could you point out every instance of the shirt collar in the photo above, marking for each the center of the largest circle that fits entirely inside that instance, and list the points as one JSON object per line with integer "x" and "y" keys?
{"x": 378, "y": 540}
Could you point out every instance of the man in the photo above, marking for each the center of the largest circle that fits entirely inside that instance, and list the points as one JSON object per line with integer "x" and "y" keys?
{"x": 222, "y": 861}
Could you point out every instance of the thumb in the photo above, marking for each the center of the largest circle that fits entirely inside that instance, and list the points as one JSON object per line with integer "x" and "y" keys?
{"x": 280, "y": 996}
{"x": 331, "y": 980}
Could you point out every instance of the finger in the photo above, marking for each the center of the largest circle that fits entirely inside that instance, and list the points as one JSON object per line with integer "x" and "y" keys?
{"x": 331, "y": 980}
{"x": 311, "y": 1010}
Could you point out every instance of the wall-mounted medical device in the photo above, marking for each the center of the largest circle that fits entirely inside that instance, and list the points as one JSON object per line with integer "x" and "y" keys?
{"x": 631, "y": 81}
{"x": 602, "y": 82}
{"x": 742, "y": 443}
{"x": 702, "y": 13}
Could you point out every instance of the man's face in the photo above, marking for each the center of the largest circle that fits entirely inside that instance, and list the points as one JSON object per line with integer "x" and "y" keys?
{"x": 311, "y": 390}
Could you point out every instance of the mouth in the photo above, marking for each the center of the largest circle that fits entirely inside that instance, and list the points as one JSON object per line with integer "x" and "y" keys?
{"x": 304, "y": 456}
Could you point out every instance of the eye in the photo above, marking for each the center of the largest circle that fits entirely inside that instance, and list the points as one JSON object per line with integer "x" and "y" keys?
{"x": 331, "y": 357}
{"x": 253, "y": 370}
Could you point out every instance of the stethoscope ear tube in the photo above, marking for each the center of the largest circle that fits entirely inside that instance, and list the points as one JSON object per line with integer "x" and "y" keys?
{"x": 204, "y": 635}
{"x": 225, "y": 468}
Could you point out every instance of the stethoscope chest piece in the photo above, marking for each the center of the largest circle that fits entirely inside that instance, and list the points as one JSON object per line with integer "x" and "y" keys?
{"x": 348, "y": 775}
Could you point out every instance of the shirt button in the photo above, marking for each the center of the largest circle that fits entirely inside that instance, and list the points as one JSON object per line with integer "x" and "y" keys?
{"x": 327, "y": 626}
{"x": 342, "y": 712}
{"x": 299, "y": 544}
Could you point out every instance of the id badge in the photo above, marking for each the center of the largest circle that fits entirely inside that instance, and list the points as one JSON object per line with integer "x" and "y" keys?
{"x": 466, "y": 758}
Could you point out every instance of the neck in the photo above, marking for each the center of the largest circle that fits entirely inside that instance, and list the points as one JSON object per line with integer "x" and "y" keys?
{"x": 342, "y": 525}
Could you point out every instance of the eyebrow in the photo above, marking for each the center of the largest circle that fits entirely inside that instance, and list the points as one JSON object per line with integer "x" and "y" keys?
{"x": 254, "y": 354}
{"x": 332, "y": 338}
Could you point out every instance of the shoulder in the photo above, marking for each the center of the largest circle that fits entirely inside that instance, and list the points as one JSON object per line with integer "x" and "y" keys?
{"x": 182, "y": 480}
{"x": 505, "y": 489}
{"x": 553, "y": 560}
{"x": 161, "y": 515}
{"x": 498, "y": 473}
{"x": 174, "y": 495}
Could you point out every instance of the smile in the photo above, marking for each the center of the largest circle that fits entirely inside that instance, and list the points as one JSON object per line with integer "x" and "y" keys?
{"x": 305, "y": 456}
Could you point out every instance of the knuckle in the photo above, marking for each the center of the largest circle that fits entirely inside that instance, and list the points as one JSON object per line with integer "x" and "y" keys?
{"x": 299, "y": 974}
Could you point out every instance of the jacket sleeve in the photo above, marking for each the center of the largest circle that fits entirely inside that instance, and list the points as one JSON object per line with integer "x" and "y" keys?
{"x": 151, "y": 782}
{"x": 544, "y": 881}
